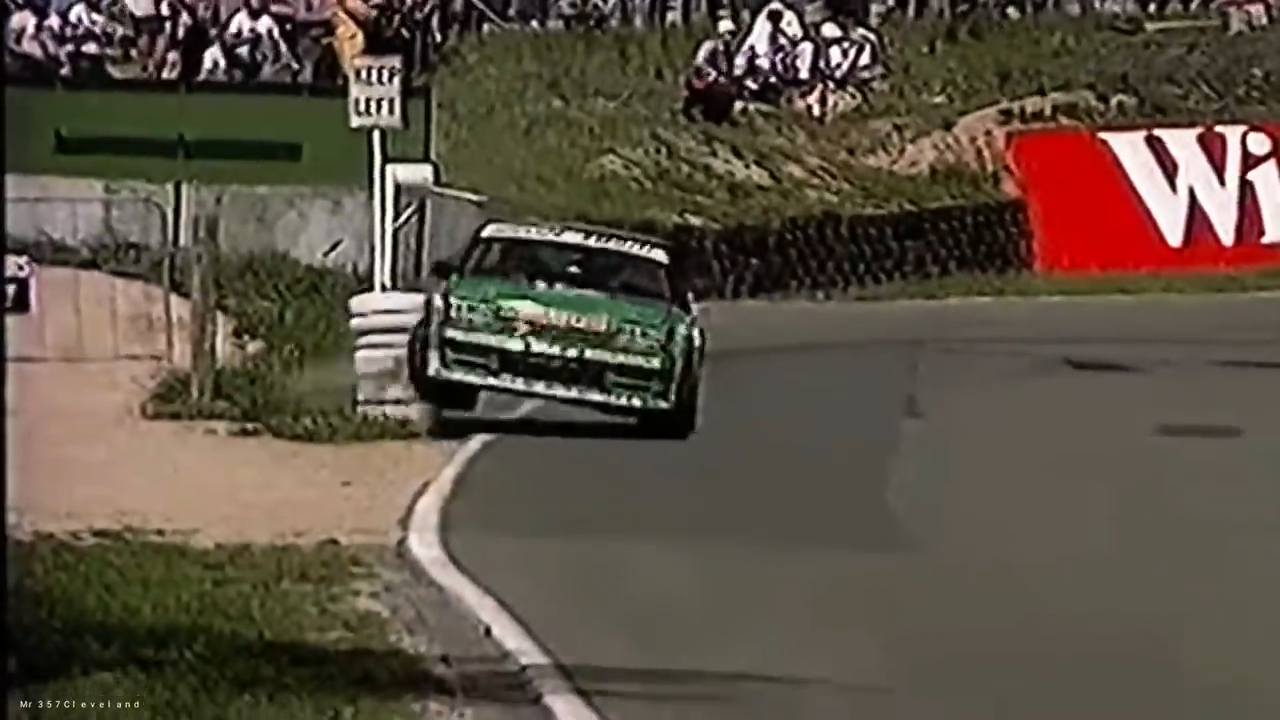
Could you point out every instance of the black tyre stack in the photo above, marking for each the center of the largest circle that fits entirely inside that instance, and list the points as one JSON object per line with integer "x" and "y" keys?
{"x": 831, "y": 254}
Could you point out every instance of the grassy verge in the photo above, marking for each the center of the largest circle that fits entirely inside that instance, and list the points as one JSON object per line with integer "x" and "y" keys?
{"x": 298, "y": 385}
{"x": 274, "y": 633}
{"x": 572, "y": 125}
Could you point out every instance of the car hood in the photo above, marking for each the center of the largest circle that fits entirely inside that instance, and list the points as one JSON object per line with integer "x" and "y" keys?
{"x": 509, "y": 298}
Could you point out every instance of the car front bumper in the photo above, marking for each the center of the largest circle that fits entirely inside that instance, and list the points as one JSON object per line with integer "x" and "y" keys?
{"x": 546, "y": 389}
{"x": 585, "y": 376}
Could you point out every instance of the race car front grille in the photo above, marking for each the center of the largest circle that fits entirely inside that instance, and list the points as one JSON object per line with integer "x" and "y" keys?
{"x": 582, "y": 373}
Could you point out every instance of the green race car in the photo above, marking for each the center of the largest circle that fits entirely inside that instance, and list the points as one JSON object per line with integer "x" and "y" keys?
{"x": 580, "y": 315}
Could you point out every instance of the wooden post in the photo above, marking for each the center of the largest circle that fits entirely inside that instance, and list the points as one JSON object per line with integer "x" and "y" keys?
{"x": 204, "y": 304}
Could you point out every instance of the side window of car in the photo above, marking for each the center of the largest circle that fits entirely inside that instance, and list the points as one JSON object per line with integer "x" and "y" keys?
{"x": 473, "y": 256}
{"x": 680, "y": 295}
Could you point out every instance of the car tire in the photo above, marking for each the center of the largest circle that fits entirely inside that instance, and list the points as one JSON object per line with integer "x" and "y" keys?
{"x": 681, "y": 421}
{"x": 417, "y": 359}
{"x": 436, "y": 395}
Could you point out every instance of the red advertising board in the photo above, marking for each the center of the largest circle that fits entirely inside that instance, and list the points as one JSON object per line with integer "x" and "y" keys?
{"x": 1151, "y": 199}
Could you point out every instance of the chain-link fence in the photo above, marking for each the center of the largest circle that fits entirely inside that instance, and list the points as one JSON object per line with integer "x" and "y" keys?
{"x": 332, "y": 227}
{"x": 321, "y": 226}
{"x": 438, "y": 224}
{"x": 103, "y": 280}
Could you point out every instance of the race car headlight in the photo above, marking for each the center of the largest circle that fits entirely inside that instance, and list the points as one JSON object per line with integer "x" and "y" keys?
{"x": 467, "y": 313}
{"x": 640, "y": 338}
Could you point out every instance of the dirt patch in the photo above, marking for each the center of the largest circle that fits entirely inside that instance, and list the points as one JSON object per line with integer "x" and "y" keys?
{"x": 79, "y": 455}
{"x": 977, "y": 140}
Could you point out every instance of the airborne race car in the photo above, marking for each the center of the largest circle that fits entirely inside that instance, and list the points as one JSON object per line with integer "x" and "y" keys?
{"x": 579, "y": 315}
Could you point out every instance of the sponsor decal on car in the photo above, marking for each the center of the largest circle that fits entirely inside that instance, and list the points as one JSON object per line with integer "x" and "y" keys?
{"x": 530, "y": 315}
{"x": 538, "y": 346}
{"x": 1152, "y": 198}
{"x": 551, "y": 389}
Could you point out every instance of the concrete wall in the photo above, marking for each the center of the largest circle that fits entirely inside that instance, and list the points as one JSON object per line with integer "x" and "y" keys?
{"x": 322, "y": 226}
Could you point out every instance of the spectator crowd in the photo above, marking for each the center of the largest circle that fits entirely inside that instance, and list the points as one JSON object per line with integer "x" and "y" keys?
{"x": 303, "y": 41}
{"x": 783, "y": 53}
{"x": 780, "y": 59}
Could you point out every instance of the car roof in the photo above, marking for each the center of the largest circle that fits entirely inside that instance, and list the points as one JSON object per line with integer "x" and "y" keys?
{"x": 586, "y": 228}
{"x": 580, "y": 234}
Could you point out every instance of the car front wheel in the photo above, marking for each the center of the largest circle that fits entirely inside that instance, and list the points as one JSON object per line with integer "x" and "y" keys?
{"x": 681, "y": 421}
{"x": 438, "y": 396}
{"x": 417, "y": 359}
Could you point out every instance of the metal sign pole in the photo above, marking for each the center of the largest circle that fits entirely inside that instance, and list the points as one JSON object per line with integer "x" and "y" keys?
{"x": 377, "y": 192}
{"x": 375, "y": 102}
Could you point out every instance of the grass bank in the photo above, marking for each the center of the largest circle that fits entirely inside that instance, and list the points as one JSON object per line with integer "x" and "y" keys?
{"x": 270, "y": 633}
{"x": 585, "y": 126}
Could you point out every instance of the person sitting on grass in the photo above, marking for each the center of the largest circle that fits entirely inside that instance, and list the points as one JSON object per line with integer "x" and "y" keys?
{"x": 709, "y": 89}
{"x": 849, "y": 61}
{"x": 766, "y": 62}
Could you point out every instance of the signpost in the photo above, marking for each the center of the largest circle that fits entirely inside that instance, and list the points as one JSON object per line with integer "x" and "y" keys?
{"x": 382, "y": 320}
{"x": 375, "y": 102}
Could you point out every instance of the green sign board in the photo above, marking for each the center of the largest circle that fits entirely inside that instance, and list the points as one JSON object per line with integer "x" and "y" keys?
{"x": 221, "y": 137}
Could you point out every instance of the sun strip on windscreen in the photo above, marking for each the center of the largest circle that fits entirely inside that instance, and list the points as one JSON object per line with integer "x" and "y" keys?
{"x": 568, "y": 236}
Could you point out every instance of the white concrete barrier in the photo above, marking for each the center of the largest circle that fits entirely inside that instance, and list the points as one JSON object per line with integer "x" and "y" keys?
{"x": 380, "y": 325}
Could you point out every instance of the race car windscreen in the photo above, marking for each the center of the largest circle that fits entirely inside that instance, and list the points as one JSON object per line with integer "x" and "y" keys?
{"x": 563, "y": 266}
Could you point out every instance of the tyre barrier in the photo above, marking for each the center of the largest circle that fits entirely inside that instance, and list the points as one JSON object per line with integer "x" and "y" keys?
{"x": 831, "y": 254}
{"x": 380, "y": 327}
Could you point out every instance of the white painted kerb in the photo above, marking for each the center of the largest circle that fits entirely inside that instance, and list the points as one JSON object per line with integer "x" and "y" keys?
{"x": 426, "y": 546}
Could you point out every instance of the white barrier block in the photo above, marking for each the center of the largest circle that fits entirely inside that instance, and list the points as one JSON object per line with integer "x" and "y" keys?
{"x": 389, "y": 302}
{"x": 380, "y": 326}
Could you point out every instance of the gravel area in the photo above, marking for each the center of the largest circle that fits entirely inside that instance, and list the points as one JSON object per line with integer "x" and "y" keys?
{"x": 80, "y": 457}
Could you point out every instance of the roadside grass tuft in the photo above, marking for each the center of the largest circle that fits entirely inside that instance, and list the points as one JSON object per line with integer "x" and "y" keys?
{"x": 232, "y": 631}
{"x": 295, "y": 386}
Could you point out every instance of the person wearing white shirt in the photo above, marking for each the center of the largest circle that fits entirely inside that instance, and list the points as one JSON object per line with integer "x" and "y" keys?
{"x": 708, "y": 90}
{"x": 56, "y": 41}
{"x": 85, "y": 19}
{"x": 177, "y": 20}
{"x": 213, "y": 64}
{"x": 252, "y": 30}
{"x": 147, "y": 25}
{"x": 714, "y": 55}
{"x": 838, "y": 52}
{"x": 25, "y": 35}
{"x": 768, "y": 49}
{"x": 87, "y": 33}
{"x": 848, "y": 60}
{"x": 798, "y": 67}
{"x": 870, "y": 65}
{"x": 32, "y": 37}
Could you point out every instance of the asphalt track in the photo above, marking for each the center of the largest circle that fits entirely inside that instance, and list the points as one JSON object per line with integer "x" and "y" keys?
{"x": 1022, "y": 510}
